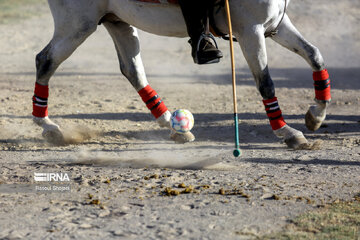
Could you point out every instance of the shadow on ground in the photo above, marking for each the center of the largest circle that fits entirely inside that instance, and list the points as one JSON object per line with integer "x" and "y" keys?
{"x": 309, "y": 162}
{"x": 342, "y": 78}
{"x": 209, "y": 127}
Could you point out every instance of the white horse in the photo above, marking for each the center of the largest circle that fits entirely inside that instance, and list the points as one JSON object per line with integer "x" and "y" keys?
{"x": 251, "y": 19}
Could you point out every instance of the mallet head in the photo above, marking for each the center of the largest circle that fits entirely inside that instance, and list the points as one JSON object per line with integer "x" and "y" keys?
{"x": 237, "y": 153}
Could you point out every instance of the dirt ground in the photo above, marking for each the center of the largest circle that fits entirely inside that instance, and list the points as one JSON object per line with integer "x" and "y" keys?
{"x": 122, "y": 175}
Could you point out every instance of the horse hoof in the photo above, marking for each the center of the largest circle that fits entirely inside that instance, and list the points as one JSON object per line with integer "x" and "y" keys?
{"x": 311, "y": 122}
{"x": 296, "y": 142}
{"x": 54, "y": 136}
{"x": 182, "y": 138}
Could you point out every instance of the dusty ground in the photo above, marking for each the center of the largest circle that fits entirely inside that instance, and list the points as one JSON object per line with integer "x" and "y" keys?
{"x": 129, "y": 162}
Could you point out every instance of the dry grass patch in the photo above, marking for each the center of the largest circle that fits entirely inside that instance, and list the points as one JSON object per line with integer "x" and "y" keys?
{"x": 340, "y": 220}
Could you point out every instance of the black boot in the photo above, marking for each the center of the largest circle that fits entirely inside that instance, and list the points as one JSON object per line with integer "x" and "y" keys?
{"x": 195, "y": 14}
{"x": 204, "y": 52}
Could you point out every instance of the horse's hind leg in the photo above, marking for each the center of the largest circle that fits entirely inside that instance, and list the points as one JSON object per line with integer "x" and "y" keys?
{"x": 127, "y": 46}
{"x": 67, "y": 37}
{"x": 252, "y": 42}
{"x": 290, "y": 38}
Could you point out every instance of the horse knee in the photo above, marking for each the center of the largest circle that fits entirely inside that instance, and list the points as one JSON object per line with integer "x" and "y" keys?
{"x": 265, "y": 84}
{"x": 315, "y": 58}
{"x": 134, "y": 72}
{"x": 44, "y": 65}
{"x": 127, "y": 70}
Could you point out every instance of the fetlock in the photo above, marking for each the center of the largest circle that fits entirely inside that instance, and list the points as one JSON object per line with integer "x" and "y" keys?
{"x": 46, "y": 124}
{"x": 164, "y": 120}
{"x": 293, "y": 138}
{"x": 286, "y": 132}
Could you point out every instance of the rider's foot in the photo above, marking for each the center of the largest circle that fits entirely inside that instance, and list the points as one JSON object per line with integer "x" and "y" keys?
{"x": 207, "y": 52}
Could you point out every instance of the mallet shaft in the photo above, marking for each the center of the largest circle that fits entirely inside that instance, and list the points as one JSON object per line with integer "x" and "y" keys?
{"x": 233, "y": 72}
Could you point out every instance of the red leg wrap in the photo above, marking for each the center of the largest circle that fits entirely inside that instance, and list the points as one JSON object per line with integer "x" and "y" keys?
{"x": 274, "y": 113}
{"x": 40, "y": 98}
{"x": 322, "y": 85}
{"x": 153, "y": 101}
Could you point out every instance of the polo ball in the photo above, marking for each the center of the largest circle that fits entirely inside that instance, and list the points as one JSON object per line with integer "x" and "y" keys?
{"x": 182, "y": 121}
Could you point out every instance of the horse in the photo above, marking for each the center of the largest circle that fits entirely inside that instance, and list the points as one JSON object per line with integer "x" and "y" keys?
{"x": 252, "y": 20}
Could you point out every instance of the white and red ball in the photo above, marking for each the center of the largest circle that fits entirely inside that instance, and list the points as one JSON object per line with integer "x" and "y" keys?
{"x": 182, "y": 121}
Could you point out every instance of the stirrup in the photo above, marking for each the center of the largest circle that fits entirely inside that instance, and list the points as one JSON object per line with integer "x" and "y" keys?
{"x": 206, "y": 36}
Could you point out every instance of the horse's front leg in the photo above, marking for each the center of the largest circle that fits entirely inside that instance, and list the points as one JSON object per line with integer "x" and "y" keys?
{"x": 67, "y": 37}
{"x": 252, "y": 42}
{"x": 127, "y": 46}
{"x": 289, "y": 37}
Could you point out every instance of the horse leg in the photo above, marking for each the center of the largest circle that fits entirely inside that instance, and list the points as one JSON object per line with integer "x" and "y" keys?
{"x": 127, "y": 45}
{"x": 252, "y": 42}
{"x": 289, "y": 37}
{"x": 67, "y": 37}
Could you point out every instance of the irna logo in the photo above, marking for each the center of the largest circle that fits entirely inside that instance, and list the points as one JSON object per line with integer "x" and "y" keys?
{"x": 51, "y": 177}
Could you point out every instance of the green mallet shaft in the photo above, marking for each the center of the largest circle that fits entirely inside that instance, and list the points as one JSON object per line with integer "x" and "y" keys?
{"x": 237, "y": 151}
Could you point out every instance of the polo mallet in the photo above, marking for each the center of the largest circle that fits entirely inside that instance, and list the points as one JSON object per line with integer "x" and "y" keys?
{"x": 237, "y": 151}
